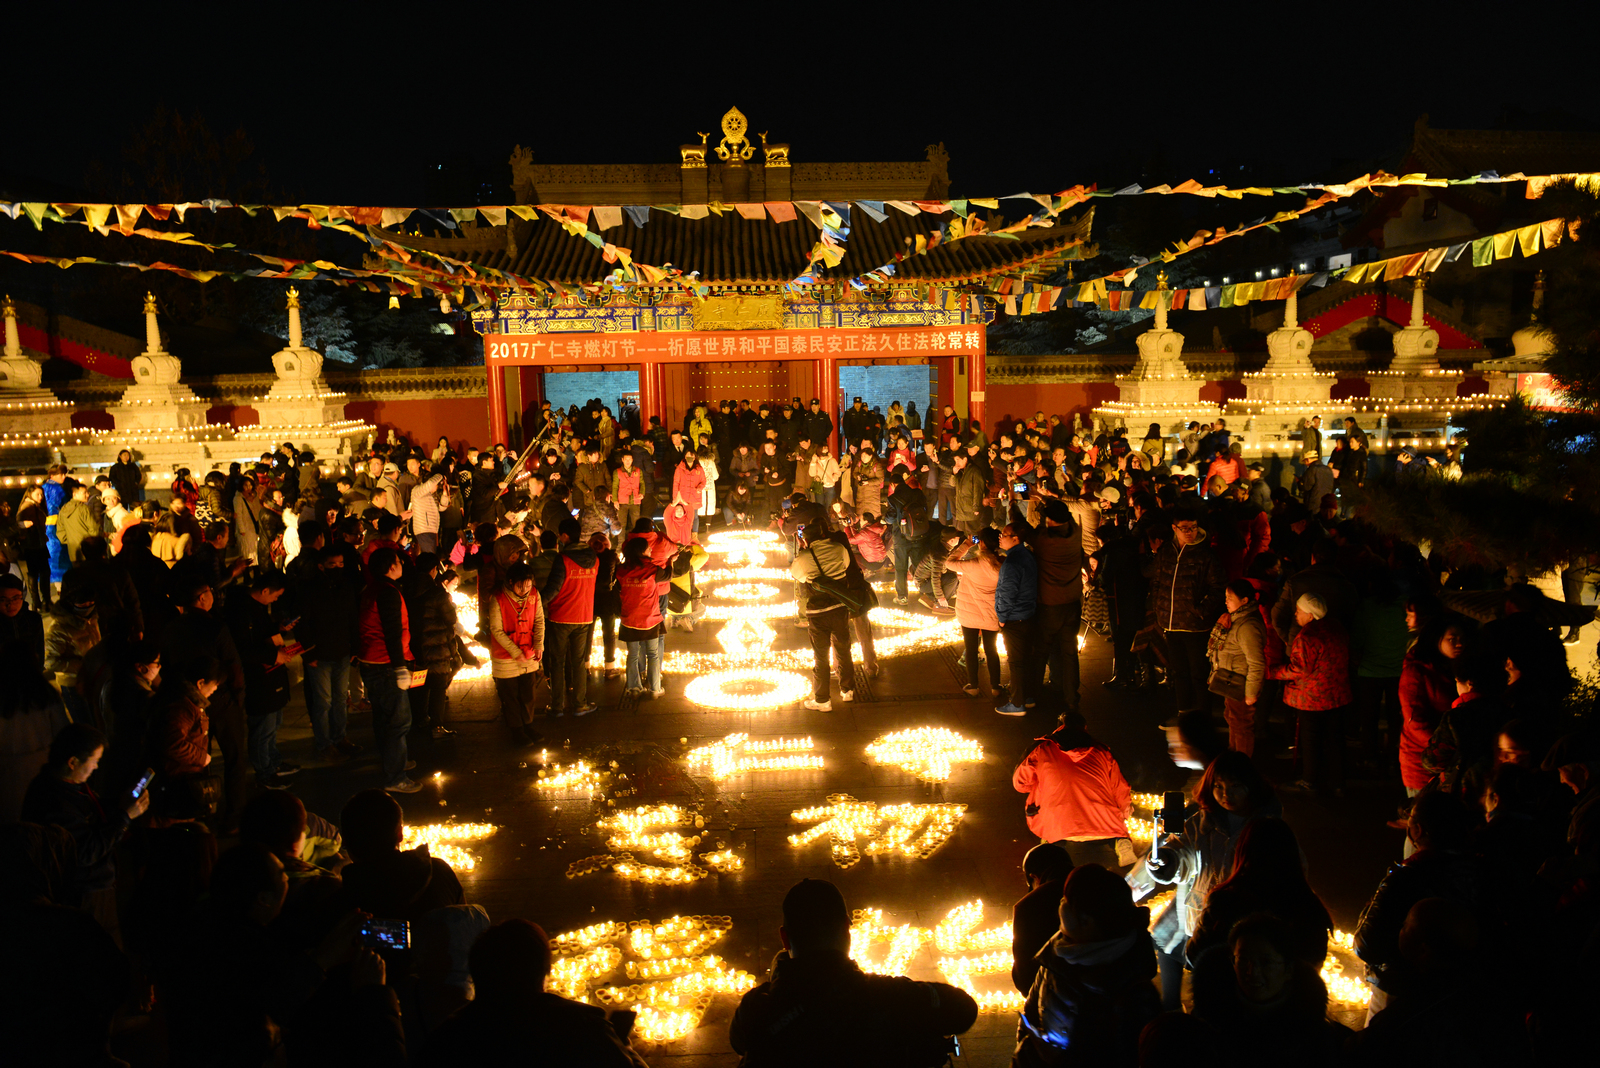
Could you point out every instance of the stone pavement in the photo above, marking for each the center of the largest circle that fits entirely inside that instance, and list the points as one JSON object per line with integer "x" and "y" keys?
{"x": 522, "y": 867}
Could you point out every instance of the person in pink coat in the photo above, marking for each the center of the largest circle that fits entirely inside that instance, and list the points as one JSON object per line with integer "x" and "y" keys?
{"x": 979, "y": 568}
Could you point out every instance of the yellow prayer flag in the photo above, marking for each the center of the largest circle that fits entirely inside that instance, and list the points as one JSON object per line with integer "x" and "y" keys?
{"x": 96, "y": 214}
{"x": 525, "y": 212}
{"x": 1433, "y": 259}
{"x": 1148, "y": 301}
{"x": 496, "y": 216}
{"x": 986, "y": 203}
{"x": 1504, "y": 243}
{"x": 1528, "y": 238}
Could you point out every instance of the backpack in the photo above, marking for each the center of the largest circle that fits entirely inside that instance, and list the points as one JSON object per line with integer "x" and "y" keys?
{"x": 913, "y": 514}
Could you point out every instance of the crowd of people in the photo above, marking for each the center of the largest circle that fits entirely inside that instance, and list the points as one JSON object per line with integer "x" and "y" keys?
{"x": 139, "y": 637}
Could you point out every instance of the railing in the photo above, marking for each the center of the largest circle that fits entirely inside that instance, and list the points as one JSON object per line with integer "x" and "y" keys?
{"x": 405, "y": 383}
{"x": 1094, "y": 367}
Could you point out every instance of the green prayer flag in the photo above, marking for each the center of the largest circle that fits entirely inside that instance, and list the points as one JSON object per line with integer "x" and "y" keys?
{"x": 1483, "y": 251}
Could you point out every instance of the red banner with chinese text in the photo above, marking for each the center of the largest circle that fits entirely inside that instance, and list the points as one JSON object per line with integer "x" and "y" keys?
{"x": 701, "y": 345}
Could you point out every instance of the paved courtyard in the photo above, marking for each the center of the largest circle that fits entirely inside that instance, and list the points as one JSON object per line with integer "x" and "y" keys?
{"x": 522, "y": 868}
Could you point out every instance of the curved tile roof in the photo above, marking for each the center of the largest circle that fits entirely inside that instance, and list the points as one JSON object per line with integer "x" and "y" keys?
{"x": 729, "y": 248}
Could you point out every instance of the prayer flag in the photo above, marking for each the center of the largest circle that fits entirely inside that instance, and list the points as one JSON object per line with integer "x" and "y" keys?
{"x": 607, "y": 216}
{"x": 1528, "y": 238}
{"x": 782, "y": 211}
{"x": 1504, "y": 243}
{"x": 639, "y": 213}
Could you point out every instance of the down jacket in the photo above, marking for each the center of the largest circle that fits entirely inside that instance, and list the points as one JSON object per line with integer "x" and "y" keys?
{"x": 1243, "y": 648}
{"x": 433, "y": 627}
{"x": 1186, "y": 584}
{"x": 1089, "y": 1002}
{"x": 1318, "y": 671}
{"x": 975, "y": 596}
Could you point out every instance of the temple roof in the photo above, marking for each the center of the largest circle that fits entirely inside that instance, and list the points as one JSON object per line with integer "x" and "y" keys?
{"x": 730, "y": 249}
{"x": 1467, "y": 153}
{"x": 725, "y": 247}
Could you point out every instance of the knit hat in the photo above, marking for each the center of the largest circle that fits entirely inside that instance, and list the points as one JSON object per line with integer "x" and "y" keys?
{"x": 1312, "y": 605}
{"x": 1110, "y": 494}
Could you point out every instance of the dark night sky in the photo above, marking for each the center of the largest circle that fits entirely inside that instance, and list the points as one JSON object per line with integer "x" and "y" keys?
{"x": 367, "y": 111}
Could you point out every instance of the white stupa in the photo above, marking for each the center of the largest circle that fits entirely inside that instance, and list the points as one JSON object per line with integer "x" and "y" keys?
{"x": 157, "y": 400}
{"x": 1289, "y": 376}
{"x": 1160, "y": 388}
{"x": 1531, "y": 347}
{"x": 300, "y": 408}
{"x": 1414, "y": 376}
{"x": 28, "y": 411}
{"x": 300, "y": 396}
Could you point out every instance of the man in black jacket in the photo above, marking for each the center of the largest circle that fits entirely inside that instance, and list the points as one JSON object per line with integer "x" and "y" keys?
{"x": 819, "y": 1007}
{"x": 1036, "y": 917}
{"x": 852, "y": 424}
{"x": 790, "y": 426}
{"x": 907, "y": 514}
{"x": 263, "y": 651}
{"x": 512, "y": 1013}
{"x": 196, "y": 631}
{"x": 60, "y": 794}
{"x": 482, "y": 490}
{"x": 819, "y": 423}
{"x": 18, "y": 622}
{"x": 150, "y": 577}
{"x": 1186, "y": 581}
{"x": 389, "y": 882}
{"x": 329, "y": 597}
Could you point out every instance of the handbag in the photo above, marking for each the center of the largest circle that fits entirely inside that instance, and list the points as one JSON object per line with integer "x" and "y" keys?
{"x": 1227, "y": 683}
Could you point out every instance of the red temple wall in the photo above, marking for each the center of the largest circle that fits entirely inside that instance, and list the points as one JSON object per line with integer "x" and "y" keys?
{"x": 464, "y": 420}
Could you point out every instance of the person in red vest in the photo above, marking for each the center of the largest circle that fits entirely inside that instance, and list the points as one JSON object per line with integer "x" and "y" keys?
{"x": 516, "y": 650}
{"x": 383, "y": 651}
{"x": 638, "y": 583}
{"x": 568, "y": 597}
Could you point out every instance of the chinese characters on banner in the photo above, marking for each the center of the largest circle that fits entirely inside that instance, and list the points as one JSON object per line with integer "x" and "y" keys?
{"x": 691, "y": 347}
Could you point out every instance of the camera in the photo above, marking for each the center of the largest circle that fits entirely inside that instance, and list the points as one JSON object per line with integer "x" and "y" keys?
{"x": 386, "y": 934}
